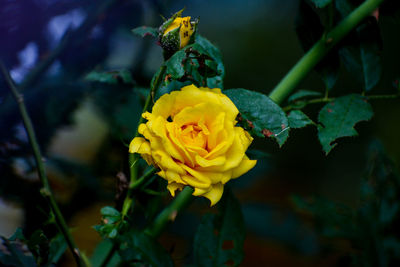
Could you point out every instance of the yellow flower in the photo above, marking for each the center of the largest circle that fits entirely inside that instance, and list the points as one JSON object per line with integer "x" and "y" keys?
{"x": 186, "y": 29}
{"x": 191, "y": 136}
{"x": 176, "y": 33}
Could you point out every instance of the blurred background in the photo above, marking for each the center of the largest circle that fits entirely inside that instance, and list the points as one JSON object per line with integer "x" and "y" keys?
{"x": 84, "y": 127}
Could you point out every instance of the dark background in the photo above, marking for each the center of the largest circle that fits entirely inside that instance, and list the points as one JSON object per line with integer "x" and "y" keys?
{"x": 83, "y": 127}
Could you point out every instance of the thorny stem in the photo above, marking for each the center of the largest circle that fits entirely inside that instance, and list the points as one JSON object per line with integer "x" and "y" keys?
{"x": 46, "y": 189}
{"x": 132, "y": 187}
{"x": 303, "y": 103}
{"x": 169, "y": 213}
{"x": 320, "y": 49}
{"x": 134, "y": 157}
{"x": 110, "y": 255}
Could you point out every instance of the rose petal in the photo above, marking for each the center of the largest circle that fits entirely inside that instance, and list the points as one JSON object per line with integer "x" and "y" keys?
{"x": 171, "y": 128}
{"x": 139, "y": 145}
{"x": 243, "y": 167}
{"x": 173, "y": 186}
{"x": 165, "y": 162}
{"x": 215, "y": 194}
{"x": 211, "y": 162}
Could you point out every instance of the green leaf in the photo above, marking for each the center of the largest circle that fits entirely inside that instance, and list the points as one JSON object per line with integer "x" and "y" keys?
{"x": 199, "y": 63}
{"x": 110, "y": 213}
{"x": 145, "y": 31}
{"x": 111, "y": 222}
{"x": 321, "y": 3}
{"x": 175, "y": 65}
{"x": 262, "y": 116}
{"x": 100, "y": 253}
{"x": 215, "y": 54}
{"x": 362, "y": 49}
{"x": 137, "y": 247}
{"x": 303, "y": 94}
{"x": 338, "y": 118}
{"x": 18, "y": 235}
{"x": 58, "y": 245}
{"x": 297, "y": 119}
{"x": 219, "y": 238}
{"x": 167, "y": 88}
{"x": 111, "y": 77}
{"x": 38, "y": 244}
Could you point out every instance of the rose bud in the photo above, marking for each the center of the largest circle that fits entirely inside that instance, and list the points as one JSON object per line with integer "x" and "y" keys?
{"x": 176, "y": 33}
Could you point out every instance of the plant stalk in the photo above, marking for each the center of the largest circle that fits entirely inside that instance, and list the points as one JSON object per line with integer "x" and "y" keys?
{"x": 320, "y": 49}
{"x": 169, "y": 214}
{"x": 304, "y": 103}
{"x": 134, "y": 157}
{"x": 46, "y": 189}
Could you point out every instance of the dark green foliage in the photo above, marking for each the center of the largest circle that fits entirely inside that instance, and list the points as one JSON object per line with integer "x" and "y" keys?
{"x": 361, "y": 50}
{"x": 100, "y": 253}
{"x": 321, "y": 3}
{"x": 219, "y": 238}
{"x": 38, "y": 250}
{"x": 297, "y": 119}
{"x": 309, "y": 30}
{"x": 199, "y": 64}
{"x": 111, "y": 222}
{"x": 145, "y": 31}
{"x": 215, "y": 54}
{"x": 301, "y": 94}
{"x": 120, "y": 106}
{"x": 125, "y": 117}
{"x": 362, "y": 53}
{"x": 372, "y": 226}
{"x": 111, "y": 77}
{"x": 175, "y": 65}
{"x": 139, "y": 249}
{"x": 337, "y": 119}
{"x": 260, "y": 114}
{"x": 15, "y": 253}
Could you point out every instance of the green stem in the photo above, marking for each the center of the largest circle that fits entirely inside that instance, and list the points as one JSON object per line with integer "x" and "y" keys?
{"x": 142, "y": 179}
{"x": 134, "y": 157}
{"x": 320, "y": 49}
{"x": 132, "y": 187}
{"x": 110, "y": 255}
{"x": 45, "y": 190}
{"x": 304, "y": 103}
{"x": 169, "y": 214}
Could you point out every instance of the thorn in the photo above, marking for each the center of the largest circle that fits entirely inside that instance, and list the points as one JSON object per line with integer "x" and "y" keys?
{"x": 173, "y": 215}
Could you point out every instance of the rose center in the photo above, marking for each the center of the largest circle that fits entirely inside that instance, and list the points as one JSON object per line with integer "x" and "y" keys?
{"x": 193, "y": 135}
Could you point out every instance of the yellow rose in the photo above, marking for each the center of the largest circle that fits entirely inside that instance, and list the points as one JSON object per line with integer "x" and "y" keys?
{"x": 191, "y": 136}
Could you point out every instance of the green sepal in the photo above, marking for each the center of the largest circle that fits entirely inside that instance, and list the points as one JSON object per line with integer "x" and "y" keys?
{"x": 168, "y": 22}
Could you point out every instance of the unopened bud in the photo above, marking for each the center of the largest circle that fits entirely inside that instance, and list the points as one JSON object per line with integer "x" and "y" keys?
{"x": 176, "y": 33}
